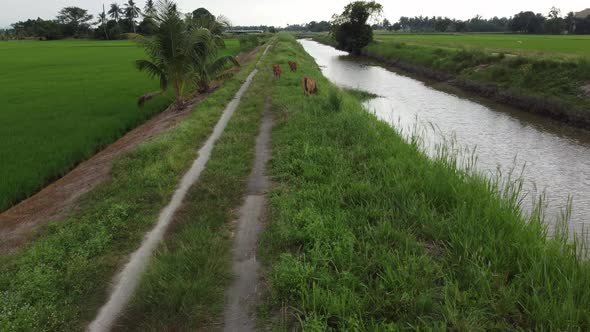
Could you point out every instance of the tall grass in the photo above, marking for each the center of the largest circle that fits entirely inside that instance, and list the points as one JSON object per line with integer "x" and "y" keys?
{"x": 368, "y": 233}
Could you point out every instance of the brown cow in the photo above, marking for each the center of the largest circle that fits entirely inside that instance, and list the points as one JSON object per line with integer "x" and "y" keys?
{"x": 293, "y": 65}
{"x": 277, "y": 70}
{"x": 309, "y": 86}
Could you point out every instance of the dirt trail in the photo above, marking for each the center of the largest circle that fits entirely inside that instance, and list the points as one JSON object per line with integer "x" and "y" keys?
{"x": 126, "y": 282}
{"x": 245, "y": 291}
{"x": 18, "y": 224}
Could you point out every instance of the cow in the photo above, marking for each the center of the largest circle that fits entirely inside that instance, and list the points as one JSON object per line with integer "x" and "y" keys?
{"x": 277, "y": 71}
{"x": 309, "y": 86}
{"x": 293, "y": 66}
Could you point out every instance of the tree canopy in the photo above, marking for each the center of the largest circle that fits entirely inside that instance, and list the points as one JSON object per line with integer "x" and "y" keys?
{"x": 74, "y": 19}
{"x": 350, "y": 29}
{"x": 183, "y": 51}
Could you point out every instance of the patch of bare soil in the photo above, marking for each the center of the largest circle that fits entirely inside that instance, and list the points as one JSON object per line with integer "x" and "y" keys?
{"x": 586, "y": 90}
{"x": 18, "y": 224}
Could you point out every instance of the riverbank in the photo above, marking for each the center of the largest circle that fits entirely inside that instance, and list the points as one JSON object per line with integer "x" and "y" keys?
{"x": 550, "y": 87}
{"x": 367, "y": 233}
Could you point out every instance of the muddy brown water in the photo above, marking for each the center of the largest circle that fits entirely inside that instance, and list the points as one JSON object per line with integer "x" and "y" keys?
{"x": 555, "y": 157}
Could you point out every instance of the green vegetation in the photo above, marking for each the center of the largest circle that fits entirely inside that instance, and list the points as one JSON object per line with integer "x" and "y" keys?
{"x": 184, "y": 52}
{"x": 547, "y": 86}
{"x": 367, "y": 233}
{"x": 250, "y": 41}
{"x": 184, "y": 286}
{"x": 63, "y": 107}
{"x": 350, "y": 29}
{"x": 361, "y": 95}
{"x": 543, "y": 45}
{"x": 522, "y": 22}
{"x": 58, "y": 281}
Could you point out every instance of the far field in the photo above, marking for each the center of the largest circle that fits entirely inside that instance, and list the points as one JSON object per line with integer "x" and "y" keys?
{"x": 61, "y": 102}
{"x": 509, "y": 43}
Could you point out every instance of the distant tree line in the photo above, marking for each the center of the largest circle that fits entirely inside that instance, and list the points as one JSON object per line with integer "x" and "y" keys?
{"x": 113, "y": 22}
{"x": 313, "y": 26}
{"x": 265, "y": 28}
{"x": 6, "y": 34}
{"x": 523, "y": 22}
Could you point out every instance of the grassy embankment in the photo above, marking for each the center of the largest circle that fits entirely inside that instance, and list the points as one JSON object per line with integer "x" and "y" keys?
{"x": 62, "y": 107}
{"x": 57, "y": 282}
{"x": 552, "y": 87}
{"x": 183, "y": 289}
{"x": 367, "y": 233}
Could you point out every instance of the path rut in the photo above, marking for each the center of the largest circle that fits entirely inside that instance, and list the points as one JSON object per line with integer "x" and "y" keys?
{"x": 246, "y": 288}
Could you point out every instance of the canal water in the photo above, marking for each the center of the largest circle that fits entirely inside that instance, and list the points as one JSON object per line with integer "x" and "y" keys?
{"x": 552, "y": 158}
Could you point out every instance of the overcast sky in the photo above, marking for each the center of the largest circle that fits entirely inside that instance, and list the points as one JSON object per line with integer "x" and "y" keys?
{"x": 283, "y": 12}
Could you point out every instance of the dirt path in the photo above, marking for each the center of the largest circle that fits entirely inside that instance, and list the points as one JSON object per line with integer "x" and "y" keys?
{"x": 18, "y": 224}
{"x": 126, "y": 282}
{"x": 245, "y": 291}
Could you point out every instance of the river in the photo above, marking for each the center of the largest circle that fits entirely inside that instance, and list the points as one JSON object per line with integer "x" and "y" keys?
{"x": 554, "y": 158}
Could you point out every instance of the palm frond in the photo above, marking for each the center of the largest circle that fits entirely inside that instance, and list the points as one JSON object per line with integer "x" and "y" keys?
{"x": 153, "y": 70}
{"x": 221, "y": 64}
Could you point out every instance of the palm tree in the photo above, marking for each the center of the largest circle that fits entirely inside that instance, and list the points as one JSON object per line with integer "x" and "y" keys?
{"x": 102, "y": 20}
{"x": 207, "y": 65}
{"x": 115, "y": 12}
{"x": 131, "y": 13}
{"x": 210, "y": 67}
{"x": 181, "y": 53}
{"x": 150, "y": 9}
{"x": 203, "y": 19}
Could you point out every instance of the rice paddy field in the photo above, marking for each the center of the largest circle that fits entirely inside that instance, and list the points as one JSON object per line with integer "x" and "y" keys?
{"x": 572, "y": 45}
{"x": 61, "y": 102}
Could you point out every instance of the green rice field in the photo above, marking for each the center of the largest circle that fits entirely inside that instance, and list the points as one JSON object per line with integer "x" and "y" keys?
{"x": 61, "y": 101}
{"x": 578, "y": 45}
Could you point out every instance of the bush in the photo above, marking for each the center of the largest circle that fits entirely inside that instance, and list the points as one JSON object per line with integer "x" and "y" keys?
{"x": 352, "y": 38}
{"x": 248, "y": 42}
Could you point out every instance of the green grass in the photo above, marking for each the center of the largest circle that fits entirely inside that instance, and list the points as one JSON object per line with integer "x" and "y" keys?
{"x": 576, "y": 45}
{"x": 361, "y": 95}
{"x": 367, "y": 233}
{"x": 57, "y": 282}
{"x": 183, "y": 289}
{"x": 61, "y": 102}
